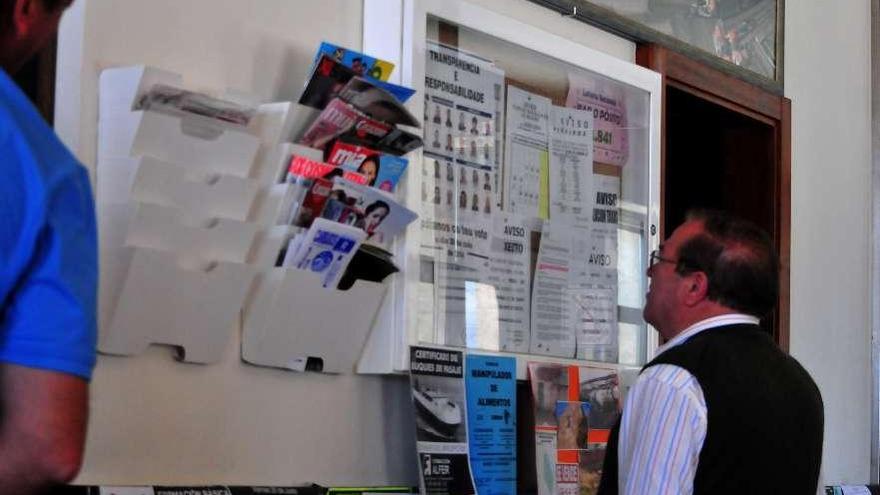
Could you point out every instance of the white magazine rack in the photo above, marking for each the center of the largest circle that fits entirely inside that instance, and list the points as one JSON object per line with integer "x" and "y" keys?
{"x": 186, "y": 208}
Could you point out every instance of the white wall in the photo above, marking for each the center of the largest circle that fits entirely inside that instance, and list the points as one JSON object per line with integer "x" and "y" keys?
{"x": 157, "y": 421}
{"x": 827, "y": 77}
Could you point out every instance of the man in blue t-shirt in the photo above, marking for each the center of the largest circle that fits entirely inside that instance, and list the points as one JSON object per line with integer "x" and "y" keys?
{"x": 48, "y": 274}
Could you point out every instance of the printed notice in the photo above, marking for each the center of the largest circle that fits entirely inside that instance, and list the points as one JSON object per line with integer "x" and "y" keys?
{"x": 571, "y": 166}
{"x": 490, "y": 382}
{"x": 595, "y": 284}
{"x": 463, "y": 94}
{"x": 552, "y": 330}
{"x": 606, "y": 103}
{"x": 526, "y": 152}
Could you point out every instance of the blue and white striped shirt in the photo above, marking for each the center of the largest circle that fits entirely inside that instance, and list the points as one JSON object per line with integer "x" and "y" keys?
{"x": 664, "y": 423}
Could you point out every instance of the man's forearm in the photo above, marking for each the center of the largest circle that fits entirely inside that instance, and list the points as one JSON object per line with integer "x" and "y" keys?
{"x": 42, "y": 428}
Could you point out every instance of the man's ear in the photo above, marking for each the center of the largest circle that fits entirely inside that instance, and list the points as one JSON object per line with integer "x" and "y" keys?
{"x": 695, "y": 288}
{"x": 25, "y": 14}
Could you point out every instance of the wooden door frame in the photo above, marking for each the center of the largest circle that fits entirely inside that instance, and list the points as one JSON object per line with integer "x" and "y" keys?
{"x": 685, "y": 74}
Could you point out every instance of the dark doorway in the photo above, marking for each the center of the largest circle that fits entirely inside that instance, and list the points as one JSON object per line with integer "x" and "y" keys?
{"x": 716, "y": 158}
{"x": 725, "y": 145}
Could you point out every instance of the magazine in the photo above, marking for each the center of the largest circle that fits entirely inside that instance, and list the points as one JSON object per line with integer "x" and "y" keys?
{"x": 361, "y": 64}
{"x": 176, "y": 101}
{"x": 312, "y": 204}
{"x": 373, "y": 211}
{"x": 328, "y": 78}
{"x": 376, "y": 102}
{"x": 341, "y": 120}
{"x": 303, "y": 168}
{"x": 381, "y": 170}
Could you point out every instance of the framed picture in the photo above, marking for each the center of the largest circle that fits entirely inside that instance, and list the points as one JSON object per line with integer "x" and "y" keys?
{"x": 741, "y": 37}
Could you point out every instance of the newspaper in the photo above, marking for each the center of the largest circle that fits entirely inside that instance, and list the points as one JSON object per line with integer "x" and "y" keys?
{"x": 176, "y": 101}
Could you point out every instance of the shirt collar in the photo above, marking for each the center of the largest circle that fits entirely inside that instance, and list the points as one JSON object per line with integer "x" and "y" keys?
{"x": 715, "y": 321}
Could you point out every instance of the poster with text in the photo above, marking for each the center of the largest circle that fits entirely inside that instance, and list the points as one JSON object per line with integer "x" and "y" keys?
{"x": 605, "y": 101}
{"x": 463, "y": 93}
{"x": 594, "y": 288}
{"x": 438, "y": 394}
{"x": 490, "y": 382}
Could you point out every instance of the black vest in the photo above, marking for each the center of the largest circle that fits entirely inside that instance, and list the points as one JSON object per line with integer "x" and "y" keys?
{"x": 765, "y": 415}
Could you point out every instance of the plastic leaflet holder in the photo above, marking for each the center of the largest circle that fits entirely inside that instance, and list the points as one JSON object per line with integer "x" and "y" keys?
{"x": 292, "y": 322}
{"x": 175, "y": 194}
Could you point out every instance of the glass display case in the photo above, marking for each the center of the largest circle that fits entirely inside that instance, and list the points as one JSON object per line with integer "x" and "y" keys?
{"x": 537, "y": 190}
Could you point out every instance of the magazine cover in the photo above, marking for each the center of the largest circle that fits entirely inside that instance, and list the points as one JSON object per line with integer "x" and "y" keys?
{"x": 302, "y": 167}
{"x": 376, "y": 102}
{"x": 328, "y": 78}
{"x": 381, "y": 170}
{"x": 438, "y": 394}
{"x": 336, "y": 118}
{"x": 373, "y": 211}
{"x": 313, "y": 203}
{"x": 361, "y": 64}
{"x": 575, "y": 409}
{"x": 339, "y": 119}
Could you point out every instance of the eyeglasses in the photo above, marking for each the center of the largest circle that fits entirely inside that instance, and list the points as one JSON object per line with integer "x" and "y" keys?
{"x": 656, "y": 258}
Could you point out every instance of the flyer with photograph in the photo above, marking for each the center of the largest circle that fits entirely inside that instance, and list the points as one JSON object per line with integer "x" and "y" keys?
{"x": 575, "y": 408}
{"x": 526, "y": 153}
{"x": 490, "y": 384}
{"x": 463, "y": 94}
{"x": 605, "y": 101}
{"x": 571, "y": 166}
{"x": 438, "y": 394}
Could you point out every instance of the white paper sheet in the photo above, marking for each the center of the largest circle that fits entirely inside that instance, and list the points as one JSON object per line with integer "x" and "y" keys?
{"x": 525, "y": 150}
{"x": 571, "y": 166}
